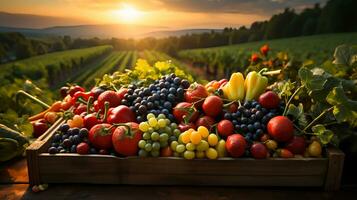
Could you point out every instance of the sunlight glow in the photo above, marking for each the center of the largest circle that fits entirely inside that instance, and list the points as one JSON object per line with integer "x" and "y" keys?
{"x": 128, "y": 14}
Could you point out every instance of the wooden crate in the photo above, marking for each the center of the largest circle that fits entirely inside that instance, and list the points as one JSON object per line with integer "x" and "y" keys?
{"x": 104, "y": 169}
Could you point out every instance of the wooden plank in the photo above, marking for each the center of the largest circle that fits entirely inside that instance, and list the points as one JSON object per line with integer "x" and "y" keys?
{"x": 335, "y": 167}
{"x": 33, "y": 151}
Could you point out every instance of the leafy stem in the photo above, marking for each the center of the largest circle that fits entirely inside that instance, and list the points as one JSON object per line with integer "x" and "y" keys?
{"x": 318, "y": 118}
{"x": 291, "y": 98}
{"x": 33, "y": 98}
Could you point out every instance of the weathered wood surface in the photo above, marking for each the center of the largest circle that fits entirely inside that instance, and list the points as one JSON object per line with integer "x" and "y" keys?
{"x": 74, "y": 168}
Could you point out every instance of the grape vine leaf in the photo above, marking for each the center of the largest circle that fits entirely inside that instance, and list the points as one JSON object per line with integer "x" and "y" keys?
{"x": 298, "y": 113}
{"x": 325, "y": 135}
{"x": 344, "y": 109}
{"x": 311, "y": 81}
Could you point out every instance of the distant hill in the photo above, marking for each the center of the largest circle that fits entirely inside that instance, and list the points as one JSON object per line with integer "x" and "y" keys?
{"x": 36, "y": 21}
{"x": 160, "y": 34}
{"x": 37, "y": 26}
{"x": 104, "y": 31}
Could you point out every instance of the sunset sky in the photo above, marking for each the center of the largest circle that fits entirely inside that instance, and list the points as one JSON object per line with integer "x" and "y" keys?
{"x": 168, "y": 13}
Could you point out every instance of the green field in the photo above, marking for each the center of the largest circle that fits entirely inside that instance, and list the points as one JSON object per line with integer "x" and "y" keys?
{"x": 318, "y": 48}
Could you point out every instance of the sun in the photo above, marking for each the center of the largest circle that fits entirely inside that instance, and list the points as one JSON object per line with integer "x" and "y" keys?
{"x": 128, "y": 14}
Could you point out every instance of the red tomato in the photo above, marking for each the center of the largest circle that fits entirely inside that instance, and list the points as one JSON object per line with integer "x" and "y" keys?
{"x": 39, "y": 128}
{"x": 281, "y": 128}
{"x": 120, "y": 114}
{"x": 205, "y": 121}
{"x": 269, "y": 100}
{"x": 126, "y": 138}
{"x": 254, "y": 58}
{"x": 101, "y": 136}
{"x": 296, "y": 145}
{"x": 109, "y": 96}
{"x": 80, "y": 109}
{"x": 236, "y": 145}
{"x": 258, "y": 151}
{"x": 264, "y": 50}
{"x": 212, "y": 106}
{"x": 196, "y": 93}
{"x": 82, "y": 148}
{"x": 185, "y": 109}
{"x": 90, "y": 120}
{"x": 225, "y": 128}
{"x": 73, "y": 89}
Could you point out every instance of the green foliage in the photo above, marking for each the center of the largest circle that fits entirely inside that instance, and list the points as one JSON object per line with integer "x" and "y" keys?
{"x": 325, "y": 135}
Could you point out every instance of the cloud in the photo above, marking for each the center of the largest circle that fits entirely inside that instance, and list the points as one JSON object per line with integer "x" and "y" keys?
{"x": 261, "y": 7}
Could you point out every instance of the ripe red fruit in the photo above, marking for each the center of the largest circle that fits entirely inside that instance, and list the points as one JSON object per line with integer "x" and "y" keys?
{"x": 39, "y": 128}
{"x": 82, "y": 148}
{"x": 185, "y": 109}
{"x": 184, "y": 127}
{"x": 280, "y": 128}
{"x": 126, "y": 138}
{"x": 205, "y": 121}
{"x": 195, "y": 93}
{"x": 101, "y": 136}
{"x": 269, "y": 100}
{"x": 212, "y": 106}
{"x": 225, "y": 128}
{"x": 296, "y": 145}
{"x": 109, "y": 96}
{"x": 90, "y": 120}
{"x": 80, "y": 109}
{"x": 254, "y": 58}
{"x": 120, "y": 114}
{"x": 236, "y": 145}
{"x": 284, "y": 153}
{"x": 233, "y": 108}
{"x": 166, "y": 152}
{"x": 258, "y": 151}
{"x": 264, "y": 50}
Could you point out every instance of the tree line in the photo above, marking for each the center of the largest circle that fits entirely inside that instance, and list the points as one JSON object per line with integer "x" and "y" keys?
{"x": 334, "y": 17}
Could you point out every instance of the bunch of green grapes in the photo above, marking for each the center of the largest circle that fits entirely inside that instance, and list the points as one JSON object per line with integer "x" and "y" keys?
{"x": 198, "y": 144}
{"x": 158, "y": 133}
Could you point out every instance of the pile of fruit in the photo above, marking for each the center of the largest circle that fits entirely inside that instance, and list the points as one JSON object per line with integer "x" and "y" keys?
{"x": 170, "y": 116}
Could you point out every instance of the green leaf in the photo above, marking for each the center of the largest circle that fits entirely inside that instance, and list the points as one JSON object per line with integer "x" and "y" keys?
{"x": 345, "y": 109}
{"x": 286, "y": 88}
{"x": 311, "y": 81}
{"x": 298, "y": 113}
{"x": 325, "y": 135}
{"x": 344, "y": 55}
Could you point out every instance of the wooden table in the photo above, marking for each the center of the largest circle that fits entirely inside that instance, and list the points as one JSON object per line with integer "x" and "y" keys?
{"x": 14, "y": 185}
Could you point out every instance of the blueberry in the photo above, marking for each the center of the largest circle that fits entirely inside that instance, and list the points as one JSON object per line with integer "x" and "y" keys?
{"x": 162, "y": 96}
{"x": 93, "y": 151}
{"x": 52, "y": 150}
{"x": 253, "y": 117}
{"x": 238, "y": 113}
{"x": 150, "y": 105}
{"x": 67, "y": 142}
{"x": 185, "y": 84}
{"x": 73, "y": 149}
{"x": 83, "y": 132}
{"x": 244, "y": 127}
{"x": 168, "y": 105}
{"x": 237, "y": 127}
{"x": 247, "y": 104}
{"x": 140, "y": 118}
{"x": 75, "y": 131}
{"x": 169, "y": 79}
{"x": 172, "y": 90}
{"x": 227, "y": 116}
{"x": 251, "y": 128}
{"x": 180, "y": 91}
{"x": 156, "y": 97}
{"x": 258, "y": 107}
{"x": 130, "y": 91}
{"x": 265, "y": 119}
{"x": 244, "y": 120}
{"x": 234, "y": 116}
{"x": 177, "y": 80}
{"x": 65, "y": 136}
{"x": 171, "y": 97}
{"x": 257, "y": 125}
{"x": 259, "y": 132}
{"x": 165, "y": 111}
{"x": 57, "y": 137}
{"x": 247, "y": 113}
{"x": 172, "y": 75}
{"x": 171, "y": 117}
{"x": 164, "y": 91}
{"x": 142, "y": 109}
{"x": 64, "y": 128}
{"x": 259, "y": 114}
{"x": 76, "y": 139}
